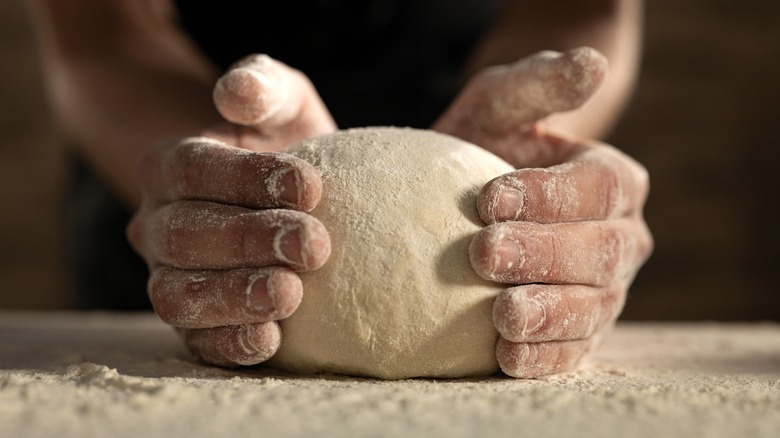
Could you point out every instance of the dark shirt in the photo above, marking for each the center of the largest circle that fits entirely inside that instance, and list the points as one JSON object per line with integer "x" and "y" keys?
{"x": 374, "y": 62}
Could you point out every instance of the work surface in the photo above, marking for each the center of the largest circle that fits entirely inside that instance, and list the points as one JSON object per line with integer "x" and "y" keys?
{"x": 126, "y": 375}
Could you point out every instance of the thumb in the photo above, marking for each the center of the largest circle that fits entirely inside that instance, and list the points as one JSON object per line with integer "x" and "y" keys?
{"x": 275, "y": 101}
{"x": 502, "y": 102}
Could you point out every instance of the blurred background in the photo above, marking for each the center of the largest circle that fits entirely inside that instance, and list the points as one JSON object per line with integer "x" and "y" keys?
{"x": 704, "y": 120}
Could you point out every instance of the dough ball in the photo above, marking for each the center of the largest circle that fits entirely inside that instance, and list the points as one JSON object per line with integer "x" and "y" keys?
{"x": 398, "y": 297}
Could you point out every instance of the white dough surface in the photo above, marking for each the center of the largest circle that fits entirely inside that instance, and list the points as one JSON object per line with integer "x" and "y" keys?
{"x": 398, "y": 297}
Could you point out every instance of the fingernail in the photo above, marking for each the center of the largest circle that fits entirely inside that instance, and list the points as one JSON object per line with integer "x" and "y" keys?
{"x": 257, "y": 343}
{"x": 284, "y": 185}
{"x": 509, "y": 204}
{"x": 289, "y": 247}
{"x": 290, "y": 187}
{"x": 535, "y": 316}
{"x": 260, "y": 294}
{"x": 508, "y": 256}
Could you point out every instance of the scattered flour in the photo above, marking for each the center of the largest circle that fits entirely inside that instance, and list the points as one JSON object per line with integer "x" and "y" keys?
{"x": 97, "y": 375}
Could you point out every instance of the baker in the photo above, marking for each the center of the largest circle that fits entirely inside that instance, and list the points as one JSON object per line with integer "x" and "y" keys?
{"x": 129, "y": 80}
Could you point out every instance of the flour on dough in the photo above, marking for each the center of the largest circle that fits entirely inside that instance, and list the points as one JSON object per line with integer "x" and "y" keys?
{"x": 398, "y": 297}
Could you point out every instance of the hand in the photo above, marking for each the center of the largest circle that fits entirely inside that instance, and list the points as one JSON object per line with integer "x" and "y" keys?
{"x": 566, "y": 228}
{"x": 223, "y": 223}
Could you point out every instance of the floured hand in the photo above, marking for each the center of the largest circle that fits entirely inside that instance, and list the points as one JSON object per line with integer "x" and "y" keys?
{"x": 223, "y": 224}
{"x": 566, "y": 228}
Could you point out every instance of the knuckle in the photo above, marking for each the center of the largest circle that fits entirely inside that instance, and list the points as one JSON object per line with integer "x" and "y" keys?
{"x": 556, "y": 259}
{"x": 175, "y": 233}
{"x": 169, "y": 234}
{"x": 134, "y": 233}
{"x": 613, "y": 191}
{"x": 637, "y": 177}
{"x": 641, "y": 178}
{"x": 646, "y": 241}
{"x": 159, "y": 291}
{"x": 613, "y": 300}
{"x": 188, "y": 161}
{"x": 183, "y": 172}
{"x": 614, "y": 244}
{"x": 246, "y": 240}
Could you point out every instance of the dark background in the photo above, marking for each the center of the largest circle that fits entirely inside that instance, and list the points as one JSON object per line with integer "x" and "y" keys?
{"x": 704, "y": 120}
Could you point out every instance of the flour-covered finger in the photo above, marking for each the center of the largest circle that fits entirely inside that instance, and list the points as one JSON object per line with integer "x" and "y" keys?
{"x": 499, "y": 101}
{"x": 203, "y": 235}
{"x": 528, "y": 360}
{"x": 598, "y": 183}
{"x": 263, "y": 93}
{"x": 589, "y": 253}
{"x": 542, "y": 312}
{"x": 203, "y": 299}
{"x": 204, "y": 169}
{"x": 230, "y": 346}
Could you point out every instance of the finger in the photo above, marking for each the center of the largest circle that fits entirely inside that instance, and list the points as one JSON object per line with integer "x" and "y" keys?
{"x": 204, "y": 299}
{"x": 202, "y": 235}
{"x": 541, "y": 313}
{"x": 230, "y": 346}
{"x": 529, "y": 360}
{"x": 598, "y": 183}
{"x": 503, "y": 100}
{"x": 208, "y": 170}
{"x": 587, "y": 253}
{"x": 265, "y": 94}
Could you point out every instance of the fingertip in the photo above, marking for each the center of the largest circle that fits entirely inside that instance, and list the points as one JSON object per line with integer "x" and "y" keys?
{"x": 248, "y": 96}
{"x": 531, "y": 360}
{"x": 231, "y": 346}
{"x": 588, "y": 57}
{"x": 494, "y": 254}
{"x": 303, "y": 245}
{"x": 587, "y": 69}
{"x": 517, "y": 315}
{"x": 502, "y": 199}
{"x": 517, "y": 360}
{"x": 316, "y": 244}
{"x": 285, "y": 291}
{"x": 479, "y": 253}
{"x": 564, "y": 81}
{"x": 311, "y": 193}
{"x": 299, "y": 185}
{"x": 487, "y": 202}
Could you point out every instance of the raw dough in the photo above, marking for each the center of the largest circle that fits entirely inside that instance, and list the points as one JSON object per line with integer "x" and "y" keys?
{"x": 398, "y": 297}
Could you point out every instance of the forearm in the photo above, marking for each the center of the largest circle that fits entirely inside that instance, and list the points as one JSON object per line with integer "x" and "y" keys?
{"x": 113, "y": 125}
{"x": 117, "y": 91}
{"x": 611, "y": 26}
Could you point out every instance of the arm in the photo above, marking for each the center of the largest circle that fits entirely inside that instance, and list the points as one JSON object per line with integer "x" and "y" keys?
{"x": 613, "y": 27}
{"x": 565, "y": 230}
{"x": 127, "y": 86}
{"x": 122, "y": 79}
